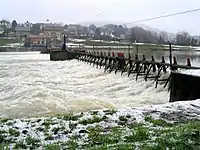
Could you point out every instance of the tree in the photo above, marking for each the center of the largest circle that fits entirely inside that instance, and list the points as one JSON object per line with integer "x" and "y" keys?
{"x": 98, "y": 34}
{"x": 92, "y": 27}
{"x": 161, "y": 40}
{"x": 133, "y": 36}
{"x": 120, "y": 26}
{"x": 193, "y": 42}
{"x": 66, "y": 27}
{"x": 14, "y": 24}
{"x": 196, "y": 41}
{"x": 183, "y": 38}
{"x": 27, "y": 24}
{"x": 118, "y": 31}
{"x": 106, "y": 38}
{"x": 140, "y": 35}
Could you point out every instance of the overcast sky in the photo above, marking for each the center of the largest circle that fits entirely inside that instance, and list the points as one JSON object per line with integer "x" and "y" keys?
{"x": 121, "y": 11}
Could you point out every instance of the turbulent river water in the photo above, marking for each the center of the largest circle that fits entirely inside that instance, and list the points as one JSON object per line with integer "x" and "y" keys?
{"x": 30, "y": 84}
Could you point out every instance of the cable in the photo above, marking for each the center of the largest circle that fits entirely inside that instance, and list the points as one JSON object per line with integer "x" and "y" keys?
{"x": 164, "y": 16}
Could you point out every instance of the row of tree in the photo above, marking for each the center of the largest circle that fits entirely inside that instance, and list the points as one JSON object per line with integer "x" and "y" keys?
{"x": 7, "y": 29}
{"x": 140, "y": 35}
{"x": 184, "y": 38}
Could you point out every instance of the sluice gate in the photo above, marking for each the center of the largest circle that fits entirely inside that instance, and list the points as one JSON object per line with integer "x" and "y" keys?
{"x": 117, "y": 62}
{"x": 149, "y": 69}
{"x": 157, "y": 71}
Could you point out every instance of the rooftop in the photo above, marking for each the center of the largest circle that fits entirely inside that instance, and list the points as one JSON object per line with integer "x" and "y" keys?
{"x": 22, "y": 29}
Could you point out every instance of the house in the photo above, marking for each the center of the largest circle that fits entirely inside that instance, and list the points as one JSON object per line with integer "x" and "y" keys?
{"x": 52, "y": 30}
{"x": 37, "y": 39}
{"x": 38, "y": 42}
{"x": 22, "y": 32}
{"x": 77, "y": 30}
{"x": 36, "y": 28}
{"x": 72, "y": 30}
{"x": 70, "y": 33}
{"x": 73, "y": 26}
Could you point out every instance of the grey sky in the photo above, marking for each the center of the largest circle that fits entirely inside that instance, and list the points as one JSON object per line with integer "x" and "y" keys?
{"x": 121, "y": 11}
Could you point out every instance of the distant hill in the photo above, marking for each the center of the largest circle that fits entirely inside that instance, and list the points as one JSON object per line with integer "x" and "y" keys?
{"x": 167, "y": 36}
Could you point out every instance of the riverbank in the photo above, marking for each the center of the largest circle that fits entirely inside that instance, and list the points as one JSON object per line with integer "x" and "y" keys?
{"x": 117, "y": 45}
{"x": 5, "y": 41}
{"x": 173, "y": 125}
{"x": 124, "y": 45}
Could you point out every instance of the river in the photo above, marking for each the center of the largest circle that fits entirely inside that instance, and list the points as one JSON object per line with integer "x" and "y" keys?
{"x": 30, "y": 84}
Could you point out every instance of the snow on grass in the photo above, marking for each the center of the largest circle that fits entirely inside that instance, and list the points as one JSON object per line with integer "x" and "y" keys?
{"x": 150, "y": 127}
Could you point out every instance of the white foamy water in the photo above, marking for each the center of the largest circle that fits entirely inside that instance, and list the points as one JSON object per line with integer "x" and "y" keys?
{"x": 30, "y": 84}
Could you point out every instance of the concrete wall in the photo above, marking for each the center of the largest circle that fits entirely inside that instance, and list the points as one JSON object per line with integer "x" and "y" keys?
{"x": 61, "y": 55}
{"x": 184, "y": 87}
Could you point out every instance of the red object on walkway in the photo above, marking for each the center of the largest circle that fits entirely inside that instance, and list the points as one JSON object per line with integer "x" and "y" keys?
{"x": 120, "y": 54}
{"x": 113, "y": 54}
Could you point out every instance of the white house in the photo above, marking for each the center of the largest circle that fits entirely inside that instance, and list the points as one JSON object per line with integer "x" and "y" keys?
{"x": 22, "y": 31}
{"x": 53, "y": 30}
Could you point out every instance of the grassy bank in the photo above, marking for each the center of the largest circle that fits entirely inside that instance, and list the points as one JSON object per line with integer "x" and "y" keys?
{"x": 8, "y": 41}
{"x": 141, "y": 46}
{"x": 102, "y": 130}
{"x": 97, "y": 43}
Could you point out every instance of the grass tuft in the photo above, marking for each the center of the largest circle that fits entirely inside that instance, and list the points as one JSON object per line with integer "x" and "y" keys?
{"x": 95, "y": 119}
{"x": 52, "y": 147}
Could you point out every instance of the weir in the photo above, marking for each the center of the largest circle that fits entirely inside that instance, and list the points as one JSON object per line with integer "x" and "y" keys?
{"x": 148, "y": 69}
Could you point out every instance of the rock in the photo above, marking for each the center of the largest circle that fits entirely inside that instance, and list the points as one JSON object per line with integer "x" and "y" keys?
{"x": 72, "y": 126}
{"x": 121, "y": 123}
{"x": 94, "y": 113}
{"x": 16, "y": 128}
{"x": 40, "y": 129}
{"x": 39, "y": 120}
{"x": 106, "y": 130}
{"x": 24, "y": 131}
{"x": 128, "y": 116}
{"x": 83, "y": 131}
{"x": 105, "y": 118}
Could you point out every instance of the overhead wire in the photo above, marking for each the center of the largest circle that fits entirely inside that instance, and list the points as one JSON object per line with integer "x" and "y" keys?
{"x": 164, "y": 16}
